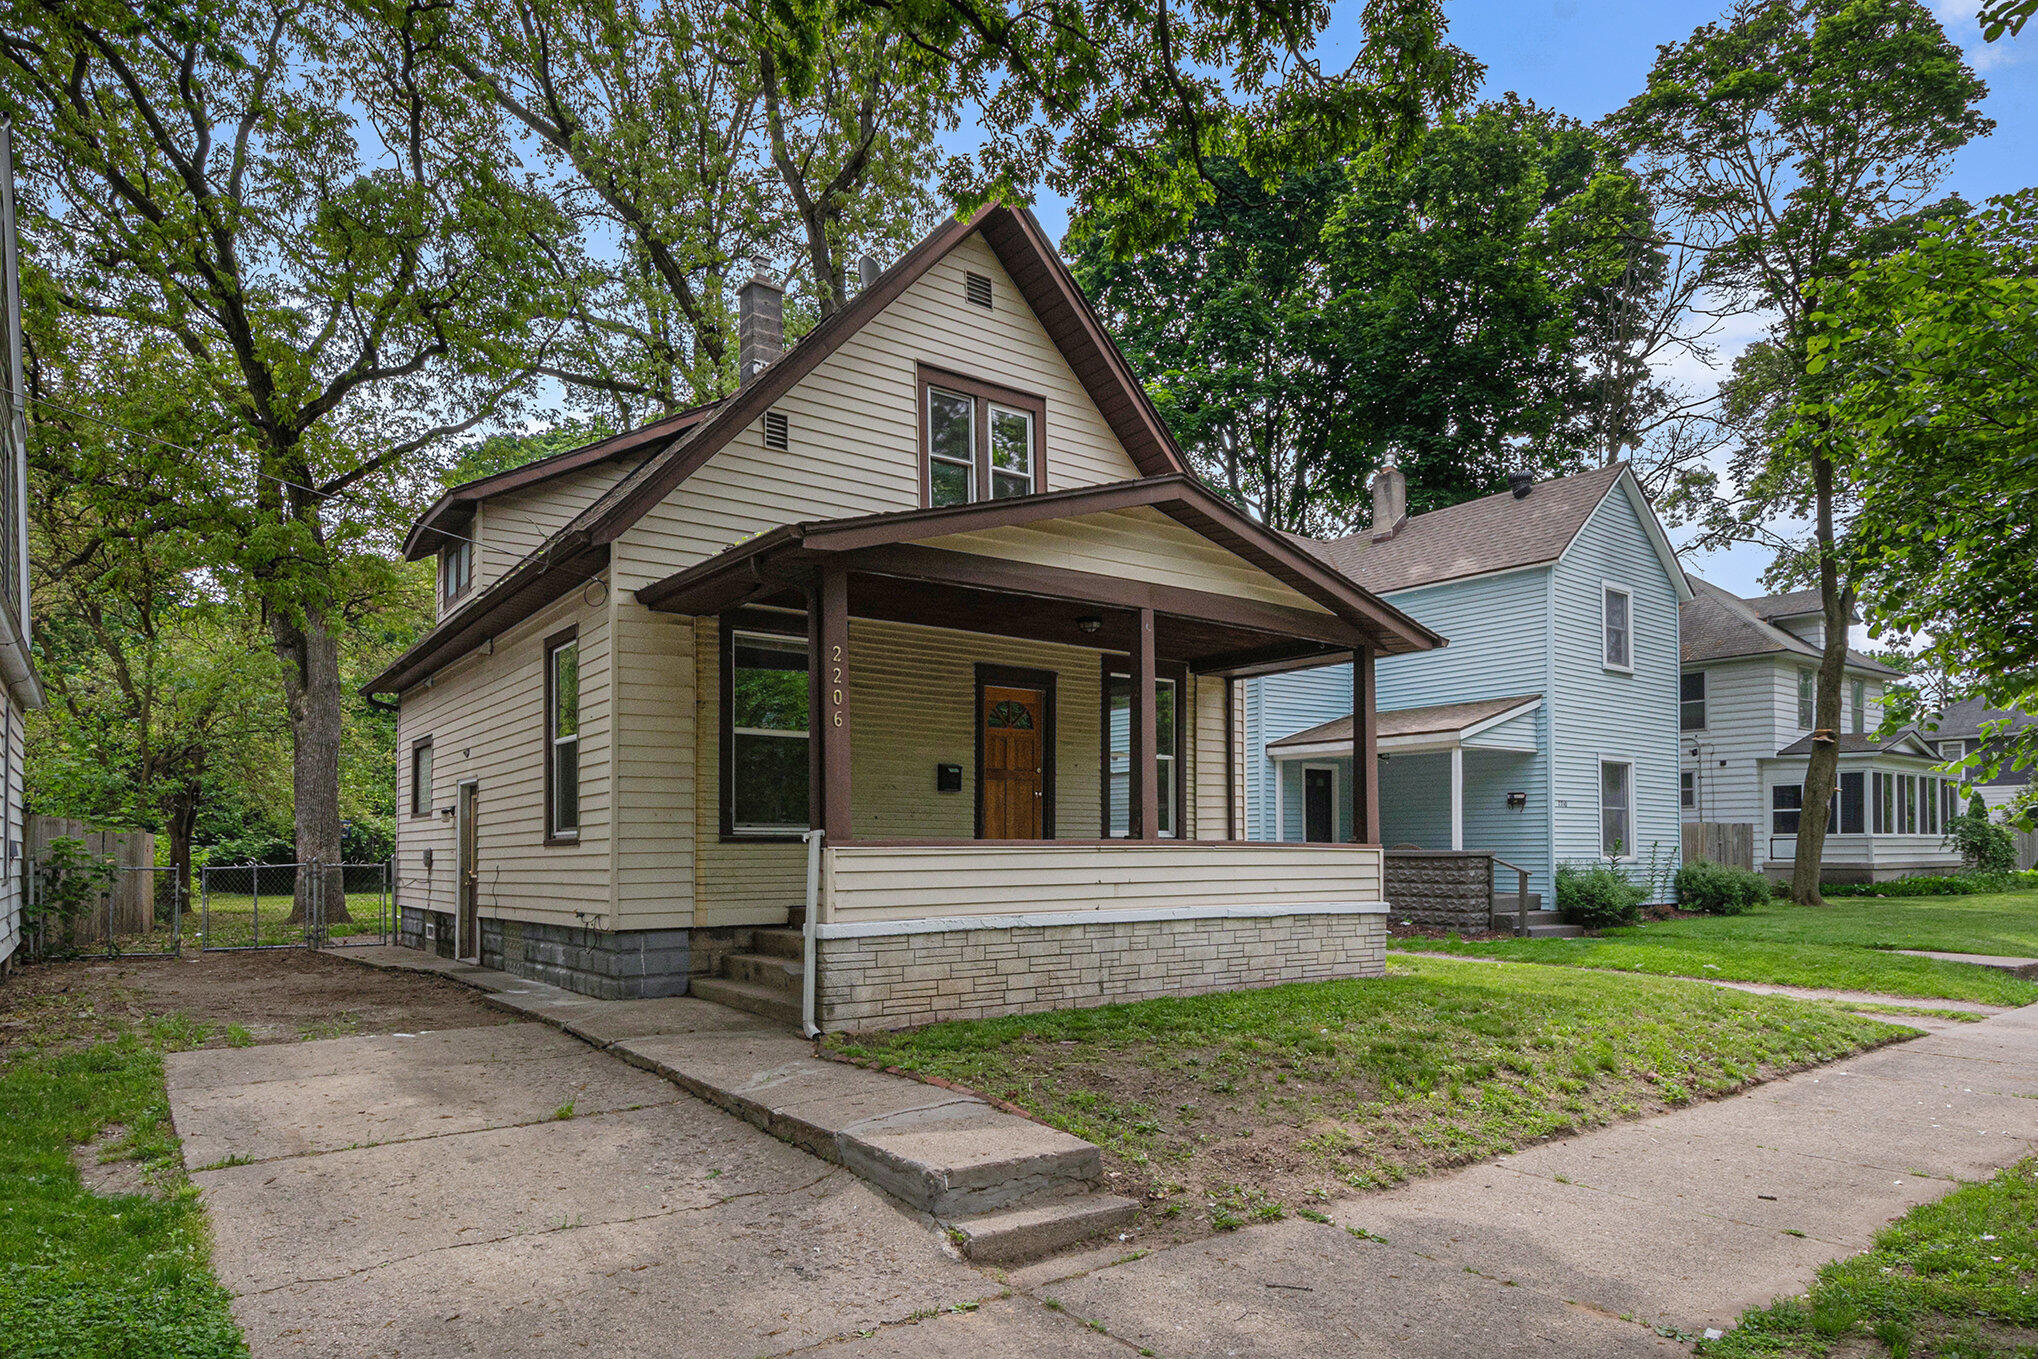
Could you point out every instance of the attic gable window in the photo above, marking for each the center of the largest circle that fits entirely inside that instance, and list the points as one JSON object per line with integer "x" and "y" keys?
{"x": 777, "y": 430}
{"x": 456, "y": 570}
{"x": 978, "y": 441}
{"x": 1617, "y": 620}
{"x": 977, "y": 288}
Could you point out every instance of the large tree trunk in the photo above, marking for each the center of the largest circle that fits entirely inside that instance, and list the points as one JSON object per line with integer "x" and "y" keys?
{"x": 311, "y": 690}
{"x": 180, "y": 817}
{"x": 1822, "y": 771}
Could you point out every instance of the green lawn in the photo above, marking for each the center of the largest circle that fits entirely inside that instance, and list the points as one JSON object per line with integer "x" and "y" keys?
{"x": 1957, "y": 1278}
{"x": 1224, "y": 1107}
{"x": 91, "y": 1276}
{"x": 1841, "y": 945}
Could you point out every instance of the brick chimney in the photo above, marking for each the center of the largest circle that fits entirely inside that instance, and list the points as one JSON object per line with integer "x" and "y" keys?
{"x": 760, "y": 323}
{"x": 1390, "y": 501}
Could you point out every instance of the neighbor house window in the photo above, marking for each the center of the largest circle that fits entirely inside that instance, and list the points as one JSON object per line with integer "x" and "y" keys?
{"x": 1687, "y": 789}
{"x": 983, "y": 442}
{"x": 1786, "y": 805}
{"x": 456, "y": 570}
{"x": 1617, "y": 809}
{"x": 1691, "y": 701}
{"x": 1617, "y": 615}
{"x": 1807, "y": 696}
{"x": 1910, "y": 804}
{"x": 1853, "y": 803}
{"x": 421, "y": 777}
{"x": 1859, "y": 694}
{"x": 562, "y": 737}
{"x": 767, "y": 759}
{"x": 1883, "y": 798}
{"x": 1167, "y": 743}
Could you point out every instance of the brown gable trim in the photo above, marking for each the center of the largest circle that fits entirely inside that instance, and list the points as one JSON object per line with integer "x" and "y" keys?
{"x": 458, "y": 501}
{"x": 538, "y": 582}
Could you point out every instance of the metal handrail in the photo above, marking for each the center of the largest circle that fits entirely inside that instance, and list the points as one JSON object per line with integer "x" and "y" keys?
{"x": 1521, "y": 896}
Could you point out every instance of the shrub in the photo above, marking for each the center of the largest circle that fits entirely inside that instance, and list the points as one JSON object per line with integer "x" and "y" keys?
{"x": 1597, "y": 897}
{"x": 1720, "y": 889}
{"x": 1933, "y": 885}
{"x": 1985, "y": 846}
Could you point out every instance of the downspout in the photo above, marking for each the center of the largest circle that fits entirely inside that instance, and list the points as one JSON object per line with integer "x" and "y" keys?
{"x": 807, "y": 969}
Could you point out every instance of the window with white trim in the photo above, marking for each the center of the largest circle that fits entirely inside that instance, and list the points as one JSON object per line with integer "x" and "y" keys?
{"x": 1858, "y": 693}
{"x": 1167, "y": 745}
{"x": 1853, "y": 794}
{"x": 1687, "y": 789}
{"x": 1617, "y": 809}
{"x": 562, "y": 739}
{"x": 421, "y": 777}
{"x": 1617, "y": 608}
{"x": 1807, "y": 697}
{"x": 768, "y": 770}
{"x": 1691, "y": 701}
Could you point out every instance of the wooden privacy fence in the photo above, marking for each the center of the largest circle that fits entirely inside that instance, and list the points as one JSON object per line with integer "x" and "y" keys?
{"x": 131, "y": 903}
{"x": 2026, "y": 842}
{"x": 1720, "y": 842}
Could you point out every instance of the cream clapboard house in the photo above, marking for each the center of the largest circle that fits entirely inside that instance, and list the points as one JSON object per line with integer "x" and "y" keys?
{"x": 933, "y": 583}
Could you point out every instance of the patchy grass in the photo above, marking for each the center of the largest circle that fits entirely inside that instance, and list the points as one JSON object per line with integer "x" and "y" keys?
{"x": 1235, "y": 1107}
{"x": 1840, "y": 946}
{"x": 1957, "y": 1279}
{"x": 85, "y": 1275}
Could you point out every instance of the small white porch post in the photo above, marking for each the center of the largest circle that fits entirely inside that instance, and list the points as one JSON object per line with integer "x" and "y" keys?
{"x": 1280, "y": 778}
{"x": 1457, "y": 797}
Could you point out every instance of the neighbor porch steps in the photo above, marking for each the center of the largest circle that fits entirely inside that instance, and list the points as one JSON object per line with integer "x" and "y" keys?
{"x": 1021, "y": 1207}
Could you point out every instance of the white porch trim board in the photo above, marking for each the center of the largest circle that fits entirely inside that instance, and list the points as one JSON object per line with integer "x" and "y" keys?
{"x": 866, "y": 929}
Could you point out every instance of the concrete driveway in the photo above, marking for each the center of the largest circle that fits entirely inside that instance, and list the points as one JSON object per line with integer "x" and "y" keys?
{"x": 422, "y": 1195}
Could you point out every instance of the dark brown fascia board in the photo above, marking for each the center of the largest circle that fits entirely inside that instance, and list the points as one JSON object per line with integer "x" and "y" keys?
{"x": 1075, "y": 323}
{"x": 448, "y": 507}
{"x": 1276, "y": 659}
{"x": 894, "y": 526}
{"x": 539, "y": 581}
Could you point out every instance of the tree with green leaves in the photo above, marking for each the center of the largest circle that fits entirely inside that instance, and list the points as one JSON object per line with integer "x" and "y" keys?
{"x": 1782, "y": 143}
{"x": 1445, "y": 311}
{"x": 284, "y": 199}
{"x": 1929, "y": 358}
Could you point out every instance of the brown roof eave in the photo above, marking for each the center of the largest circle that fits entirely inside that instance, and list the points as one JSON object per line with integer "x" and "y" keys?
{"x": 539, "y": 581}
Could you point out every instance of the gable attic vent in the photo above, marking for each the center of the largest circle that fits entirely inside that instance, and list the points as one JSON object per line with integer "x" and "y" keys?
{"x": 777, "y": 434}
{"x": 978, "y": 289}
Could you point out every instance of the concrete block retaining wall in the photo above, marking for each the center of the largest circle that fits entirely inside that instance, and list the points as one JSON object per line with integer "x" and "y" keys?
{"x": 1444, "y": 889}
{"x": 605, "y": 964}
{"x": 900, "y": 980}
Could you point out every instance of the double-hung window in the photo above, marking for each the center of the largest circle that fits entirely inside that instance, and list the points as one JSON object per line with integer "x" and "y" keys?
{"x": 1617, "y": 809}
{"x": 1617, "y": 608}
{"x": 767, "y": 750}
{"x": 1786, "y": 806}
{"x": 562, "y": 738}
{"x": 421, "y": 777}
{"x": 1858, "y": 693}
{"x": 1807, "y": 696}
{"x": 983, "y": 442}
{"x": 1167, "y": 744}
{"x": 1853, "y": 803}
{"x": 456, "y": 570}
{"x": 1687, "y": 789}
{"x": 1691, "y": 701}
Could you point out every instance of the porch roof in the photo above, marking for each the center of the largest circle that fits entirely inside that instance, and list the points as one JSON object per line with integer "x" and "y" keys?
{"x": 1906, "y": 744}
{"x": 981, "y": 593}
{"x": 1438, "y": 726}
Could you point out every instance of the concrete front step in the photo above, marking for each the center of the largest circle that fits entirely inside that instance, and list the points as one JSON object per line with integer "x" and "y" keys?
{"x": 763, "y": 969}
{"x": 1028, "y": 1232}
{"x": 1541, "y": 925}
{"x": 779, "y": 943}
{"x": 770, "y": 1002}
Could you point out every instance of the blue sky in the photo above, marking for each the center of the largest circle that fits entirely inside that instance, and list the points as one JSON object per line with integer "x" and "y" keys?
{"x": 1588, "y": 57}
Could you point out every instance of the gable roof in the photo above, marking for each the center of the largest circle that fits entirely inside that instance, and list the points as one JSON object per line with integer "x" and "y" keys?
{"x": 1718, "y": 626}
{"x": 1461, "y": 719}
{"x": 1491, "y": 534}
{"x": 1964, "y": 718}
{"x": 1866, "y": 743}
{"x": 678, "y": 446}
{"x": 1790, "y": 604}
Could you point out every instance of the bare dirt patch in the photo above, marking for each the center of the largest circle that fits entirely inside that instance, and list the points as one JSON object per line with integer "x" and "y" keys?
{"x": 229, "y": 999}
{"x": 105, "y": 1168}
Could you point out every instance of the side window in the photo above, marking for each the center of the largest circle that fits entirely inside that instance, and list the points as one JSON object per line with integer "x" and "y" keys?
{"x": 1786, "y": 804}
{"x": 1853, "y": 803}
{"x": 1691, "y": 701}
{"x": 1167, "y": 730}
{"x": 1807, "y": 695}
{"x": 421, "y": 777}
{"x": 456, "y": 570}
{"x": 765, "y": 791}
{"x": 1858, "y": 694}
{"x": 562, "y": 738}
{"x": 1687, "y": 789}
{"x": 1616, "y": 809}
{"x": 1616, "y": 613}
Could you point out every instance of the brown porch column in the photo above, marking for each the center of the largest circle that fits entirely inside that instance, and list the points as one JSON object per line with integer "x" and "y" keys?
{"x": 1365, "y": 751}
{"x": 1145, "y": 802}
{"x": 829, "y": 712}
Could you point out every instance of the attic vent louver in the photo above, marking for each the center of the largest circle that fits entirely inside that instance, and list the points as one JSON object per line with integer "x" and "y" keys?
{"x": 979, "y": 290}
{"x": 777, "y": 433}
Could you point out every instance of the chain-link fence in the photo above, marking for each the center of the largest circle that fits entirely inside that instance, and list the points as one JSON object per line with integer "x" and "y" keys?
{"x": 245, "y": 906}
{"x": 79, "y": 907}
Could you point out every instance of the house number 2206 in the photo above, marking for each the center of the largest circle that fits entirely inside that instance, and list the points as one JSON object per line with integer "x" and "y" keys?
{"x": 835, "y": 678}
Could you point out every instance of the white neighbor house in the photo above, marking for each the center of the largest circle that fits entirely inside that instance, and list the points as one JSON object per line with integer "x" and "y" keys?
{"x": 1745, "y": 722}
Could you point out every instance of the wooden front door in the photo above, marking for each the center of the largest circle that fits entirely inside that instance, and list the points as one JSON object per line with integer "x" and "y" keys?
{"x": 1014, "y": 770}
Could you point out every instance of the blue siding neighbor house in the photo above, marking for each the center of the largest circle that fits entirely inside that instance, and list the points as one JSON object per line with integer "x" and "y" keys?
{"x": 1545, "y": 732}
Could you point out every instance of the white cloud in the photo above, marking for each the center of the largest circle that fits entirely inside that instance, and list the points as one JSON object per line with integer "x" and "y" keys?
{"x": 1957, "y": 17}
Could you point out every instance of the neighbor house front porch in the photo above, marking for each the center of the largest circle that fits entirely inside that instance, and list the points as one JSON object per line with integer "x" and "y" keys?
{"x": 986, "y": 755}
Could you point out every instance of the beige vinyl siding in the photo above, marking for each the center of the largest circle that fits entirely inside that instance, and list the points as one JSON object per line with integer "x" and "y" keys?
{"x": 508, "y": 528}
{"x": 486, "y": 719}
{"x": 13, "y": 869}
{"x": 906, "y": 883}
{"x": 736, "y": 882}
{"x": 854, "y": 424}
{"x": 1137, "y": 544}
{"x": 657, "y": 781}
{"x": 1207, "y": 766}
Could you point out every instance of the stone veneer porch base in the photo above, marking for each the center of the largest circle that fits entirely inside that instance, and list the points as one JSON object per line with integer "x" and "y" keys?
{"x": 921, "y": 975}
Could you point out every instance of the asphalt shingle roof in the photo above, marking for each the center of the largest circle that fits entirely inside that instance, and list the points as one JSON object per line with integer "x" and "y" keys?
{"x": 1435, "y": 719}
{"x": 1718, "y": 626}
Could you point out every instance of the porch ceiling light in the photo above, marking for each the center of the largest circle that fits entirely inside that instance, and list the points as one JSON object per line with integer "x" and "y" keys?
{"x": 1089, "y": 622}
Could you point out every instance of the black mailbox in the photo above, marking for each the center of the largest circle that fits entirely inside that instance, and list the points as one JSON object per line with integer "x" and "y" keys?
{"x": 948, "y": 778}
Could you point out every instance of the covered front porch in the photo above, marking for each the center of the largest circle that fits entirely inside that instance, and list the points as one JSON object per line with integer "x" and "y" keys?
{"x": 994, "y": 747}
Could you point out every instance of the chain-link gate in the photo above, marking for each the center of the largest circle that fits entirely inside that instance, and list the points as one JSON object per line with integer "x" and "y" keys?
{"x": 300, "y": 905}
{"x": 93, "y": 908}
